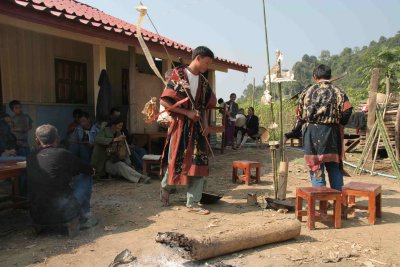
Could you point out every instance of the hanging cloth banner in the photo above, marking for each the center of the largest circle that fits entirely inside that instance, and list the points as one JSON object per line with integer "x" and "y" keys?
{"x": 143, "y": 12}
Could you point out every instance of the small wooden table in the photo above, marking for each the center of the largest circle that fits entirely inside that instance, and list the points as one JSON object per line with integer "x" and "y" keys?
{"x": 323, "y": 194}
{"x": 148, "y": 137}
{"x": 149, "y": 160}
{"x": 355, "y": 189}
{"x": 12, "y": 170}
{"x": 246, "y": 165}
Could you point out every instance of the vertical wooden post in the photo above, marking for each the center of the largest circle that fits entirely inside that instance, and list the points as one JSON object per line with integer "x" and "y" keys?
{"x": 254, "y": 88}
{"x": 133, "y": 108}
{"x": 388, "y": 87}
{"x": 373, "y": 89}
{"x": 166, "y": 65}
{"x": 397, "y": 134}
{"x": 211, "y": 80}
{"x": 212, "y": 118}
{"x": 99, "y": 63}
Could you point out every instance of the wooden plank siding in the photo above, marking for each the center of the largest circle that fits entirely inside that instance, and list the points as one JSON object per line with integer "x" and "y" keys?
{"x": 27, "y": 64}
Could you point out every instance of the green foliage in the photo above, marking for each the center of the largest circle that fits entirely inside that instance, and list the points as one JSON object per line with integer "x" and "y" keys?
{"x": 357, "y": 62}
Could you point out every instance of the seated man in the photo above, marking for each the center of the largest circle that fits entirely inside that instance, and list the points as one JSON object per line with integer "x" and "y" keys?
{"x": 8, "y": 148}
{"x": 75, "y": 123}
{"x": 50, "y": 171}
{"x": 110, "y": 154}
{"x": 8, "y": 141}
{"x": 82, "y": 139}
{"x": 252, "y": 125}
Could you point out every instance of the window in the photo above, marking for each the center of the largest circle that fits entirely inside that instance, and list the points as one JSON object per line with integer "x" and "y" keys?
{"x": 71, "y": 82}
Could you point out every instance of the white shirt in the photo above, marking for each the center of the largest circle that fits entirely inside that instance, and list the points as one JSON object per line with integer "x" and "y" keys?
{"x": 193, "y": 82}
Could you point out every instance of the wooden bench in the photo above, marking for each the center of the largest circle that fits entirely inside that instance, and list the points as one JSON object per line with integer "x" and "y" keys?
{"x": 323, "y": 195}
{"x": 299, "y": 142}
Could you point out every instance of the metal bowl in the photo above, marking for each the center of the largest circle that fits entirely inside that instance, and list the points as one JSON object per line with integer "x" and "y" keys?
{"x": 276, "y": 204}
{"x": 208, "y": 198}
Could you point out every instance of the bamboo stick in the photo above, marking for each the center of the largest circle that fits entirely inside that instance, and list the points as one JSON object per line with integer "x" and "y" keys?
{"x": 387, "y": 99}
{"x": 388, "y": 147}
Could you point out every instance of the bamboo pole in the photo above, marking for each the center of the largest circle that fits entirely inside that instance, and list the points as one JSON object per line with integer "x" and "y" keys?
{"x": 372, "y": 99}
{"x": 281, "y": 143}
{"x": 272, "y": 147}
{"x": 364, "y": 153}
{"x": 254, "y": 88}
{"x": 387, "y": 100}
{"x": 388, "y": 147}
{"x": 269, "y": 66}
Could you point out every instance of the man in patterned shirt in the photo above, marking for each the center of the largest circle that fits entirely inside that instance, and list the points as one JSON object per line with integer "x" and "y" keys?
{"x": 323, "y": 109}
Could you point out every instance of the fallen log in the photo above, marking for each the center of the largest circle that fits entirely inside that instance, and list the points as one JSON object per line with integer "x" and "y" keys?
{"x": 213, "y": 245}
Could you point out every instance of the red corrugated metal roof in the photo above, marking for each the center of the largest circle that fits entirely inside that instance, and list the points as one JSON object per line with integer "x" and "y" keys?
{"x": 87, "y": 15}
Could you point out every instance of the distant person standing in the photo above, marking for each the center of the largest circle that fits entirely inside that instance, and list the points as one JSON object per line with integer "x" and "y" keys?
{"x": 21, "y": 124}
{"x": 323, "y": 108}
{"x": 232, "y": 108}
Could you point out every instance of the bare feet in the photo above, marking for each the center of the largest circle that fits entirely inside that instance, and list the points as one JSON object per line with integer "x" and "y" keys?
{"x": 164, "y": 197}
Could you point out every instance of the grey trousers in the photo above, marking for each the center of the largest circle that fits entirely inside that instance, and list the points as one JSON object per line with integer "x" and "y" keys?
{"x": 195, "y": 187}
{"x": 194, "y": 190}
{"x": 123, "y": 168}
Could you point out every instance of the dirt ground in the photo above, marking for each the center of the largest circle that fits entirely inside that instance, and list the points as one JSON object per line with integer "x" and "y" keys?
{"x": 131, "y": 215}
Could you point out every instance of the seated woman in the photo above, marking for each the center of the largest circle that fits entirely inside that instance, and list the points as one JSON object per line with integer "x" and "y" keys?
{"x": 252, "y": 125}
{"x": 110, "y": 154}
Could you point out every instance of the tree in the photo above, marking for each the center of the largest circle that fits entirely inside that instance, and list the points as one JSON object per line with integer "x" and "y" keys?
{"x": 325, "y": 56}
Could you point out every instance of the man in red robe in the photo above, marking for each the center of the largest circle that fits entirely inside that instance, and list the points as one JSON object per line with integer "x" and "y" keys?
{"x": 187, "y": 155}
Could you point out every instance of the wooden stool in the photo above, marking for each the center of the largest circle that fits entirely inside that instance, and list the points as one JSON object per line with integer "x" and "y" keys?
{"x": 323, "y": 194}
{"x": 149, "y": 160}
{"x": 299, "y": 143}
{"x": 374, "y": 193}
{"x": 246, "y": 165}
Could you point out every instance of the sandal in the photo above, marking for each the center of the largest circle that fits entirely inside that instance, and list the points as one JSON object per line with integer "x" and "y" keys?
{"x": 164, "y": 197}
{"x": 199, "y": 211}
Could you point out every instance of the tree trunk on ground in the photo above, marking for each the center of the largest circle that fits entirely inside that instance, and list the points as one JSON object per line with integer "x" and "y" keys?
{"x": 213, "y": 245}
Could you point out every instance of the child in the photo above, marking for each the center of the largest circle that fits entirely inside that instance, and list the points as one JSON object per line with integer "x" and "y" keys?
{"x": 21, "y": 124}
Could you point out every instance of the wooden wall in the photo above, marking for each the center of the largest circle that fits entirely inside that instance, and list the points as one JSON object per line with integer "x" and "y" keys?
{"x": 27, "y": 74}
{"x": 27, "y": 64}
{"x": 147, "y": 86}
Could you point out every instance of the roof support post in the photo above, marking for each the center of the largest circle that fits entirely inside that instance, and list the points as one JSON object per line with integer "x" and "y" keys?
{"x": 133, "y": 105}
{"x": 99, "y": 63}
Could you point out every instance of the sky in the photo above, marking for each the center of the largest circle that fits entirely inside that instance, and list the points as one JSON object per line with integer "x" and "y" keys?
{"x": 234, "y": 29}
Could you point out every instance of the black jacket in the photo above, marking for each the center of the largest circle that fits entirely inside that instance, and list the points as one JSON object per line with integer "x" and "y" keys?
{"x": 50, "y": 172}
{"x": 252, "y": 125}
